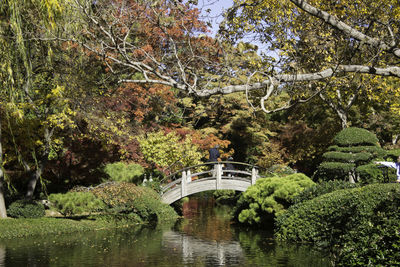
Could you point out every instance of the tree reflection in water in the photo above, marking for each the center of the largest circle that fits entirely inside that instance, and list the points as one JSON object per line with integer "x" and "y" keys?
{"x": 205, "y": 237}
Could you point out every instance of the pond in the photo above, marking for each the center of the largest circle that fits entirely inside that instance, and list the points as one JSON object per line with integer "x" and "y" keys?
{"x": 204, "y": 237}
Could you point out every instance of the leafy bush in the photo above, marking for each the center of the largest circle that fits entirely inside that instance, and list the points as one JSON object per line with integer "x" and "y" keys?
{"x": 359, "y": 226}
{"x": 226, "y": 196}
{"x": 354, "y": 136}
{"x": 393, "y": 154}
{"x": 122, "y": 172}
{"x": 25, "y": 209}
{"x": 376, "y": 151}
{"x": 127, "y": 199}
{"x": 355, "y": 157}
{"x": 353, "y": 147}
{"x": 334, "y": 170}
{"x": 369, "y": 174}
{"x": 322, "y": 188}
{"x": 76, "y": 203}
{"x": 269, "y": 197}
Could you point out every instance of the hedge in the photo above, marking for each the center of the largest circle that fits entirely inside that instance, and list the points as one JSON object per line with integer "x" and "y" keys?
{"x": 359, "y": 226}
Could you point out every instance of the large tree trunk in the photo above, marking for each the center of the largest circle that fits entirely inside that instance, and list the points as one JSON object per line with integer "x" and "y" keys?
{"x": 40, "y": 166}
{"x": 3, "y": 211}
{"x": 33, "y": 180}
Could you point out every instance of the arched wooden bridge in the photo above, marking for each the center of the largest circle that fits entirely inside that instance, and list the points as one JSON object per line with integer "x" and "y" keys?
{"x": 208, "y": 176}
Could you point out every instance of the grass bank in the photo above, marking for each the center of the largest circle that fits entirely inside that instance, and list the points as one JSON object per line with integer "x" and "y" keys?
{"x": 110, "y": 206}
{"x": 17, "y": 228}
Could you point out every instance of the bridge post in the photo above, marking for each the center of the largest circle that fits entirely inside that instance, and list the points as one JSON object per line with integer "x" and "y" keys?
{"x": 183, "y": 184}
{"x": 253, "y": 175}
{"x": 188, "y": 176}
{"x": 218, "y": 176}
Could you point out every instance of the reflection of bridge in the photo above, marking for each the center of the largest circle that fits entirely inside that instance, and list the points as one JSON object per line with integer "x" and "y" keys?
{"x": 196, "y": 179}
{"x": 219, "y": 252}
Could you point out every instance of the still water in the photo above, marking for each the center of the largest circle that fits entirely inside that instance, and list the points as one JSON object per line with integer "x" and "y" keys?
{"x": 205, "y": 237}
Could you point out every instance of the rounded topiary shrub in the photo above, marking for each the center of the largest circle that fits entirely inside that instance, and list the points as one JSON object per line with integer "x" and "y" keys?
{"x": 353, "y": 147}
{"x": 354, "y": 136}
{"x": 25, "y": 209}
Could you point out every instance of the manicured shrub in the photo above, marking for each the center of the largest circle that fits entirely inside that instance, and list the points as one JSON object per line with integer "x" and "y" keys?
{"x": 335, "y": 170}
{"x": 76, "y": 203}
{"x": 393, "y": 154}
{"x": 25, "y": 209}
{"x": 123, "y": 172}
{"x": 269, "y": 197}
{"x": 370, "y": 173}
{"x": 353, "y": 147}
{"x": 354, "y": 136}
{"x": 322, "y": 188}
{"x": 359, "y": 226}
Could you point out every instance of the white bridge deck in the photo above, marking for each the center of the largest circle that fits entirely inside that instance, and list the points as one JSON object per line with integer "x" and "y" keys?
{"x": 215, "y": 178}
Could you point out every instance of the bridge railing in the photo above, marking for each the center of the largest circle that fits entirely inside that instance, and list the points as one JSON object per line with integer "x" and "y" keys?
{"x": 210, "y": 170}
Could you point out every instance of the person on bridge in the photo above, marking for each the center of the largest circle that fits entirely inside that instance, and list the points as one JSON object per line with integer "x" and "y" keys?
{"x": 395, "y": 165}
{"x": 229, "y": 166}
{"x": 214, "y": 154}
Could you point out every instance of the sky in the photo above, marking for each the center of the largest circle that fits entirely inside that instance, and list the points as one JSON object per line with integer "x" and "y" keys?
{"x": 216, "y": 8}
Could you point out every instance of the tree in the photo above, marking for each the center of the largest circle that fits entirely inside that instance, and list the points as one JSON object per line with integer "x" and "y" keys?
{"x": 32, "y": 101}
{"x": 191, "y": 62}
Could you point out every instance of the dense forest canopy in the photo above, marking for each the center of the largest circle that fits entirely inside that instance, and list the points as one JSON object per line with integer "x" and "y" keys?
{"x": 84, "y": 83}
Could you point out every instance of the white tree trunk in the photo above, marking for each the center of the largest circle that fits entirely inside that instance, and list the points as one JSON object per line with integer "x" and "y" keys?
{"x": 3, "y": 211}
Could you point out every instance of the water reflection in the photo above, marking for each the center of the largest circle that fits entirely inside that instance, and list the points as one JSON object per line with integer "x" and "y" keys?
{"x": 192, "y": 248}
{"x": 204, "y": 238}
{"x": 2, "y": 255}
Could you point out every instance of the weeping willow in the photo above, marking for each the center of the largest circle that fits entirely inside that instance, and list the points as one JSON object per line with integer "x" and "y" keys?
{"x": 19, "y": 45}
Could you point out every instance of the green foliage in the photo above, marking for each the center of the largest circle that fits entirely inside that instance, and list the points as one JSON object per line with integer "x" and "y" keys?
{"x": 322, "y": 188}
{"x": 76, "y": 203}
{"x": 19, "y": 228}
{"x": 353, "y": 147}
{"x": 348, "y": 157}
{"x": 376, "y": 151}
{"x": 278, "y": 170}
{"x": 165, "y": 150}
{"x": 269, "y": 197}
{"x": 122, "y": 172}
{"x": 370, "y": 173}
{"x": 128, "y": 200}
{"x": 359, "y": 226}
{"x": 25, "y": 209}
{"x": 334, "y": 170}
{"x": 393, "y": 154}
{"x": 353, "y": 136}
{"x": 226, "y": 196}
